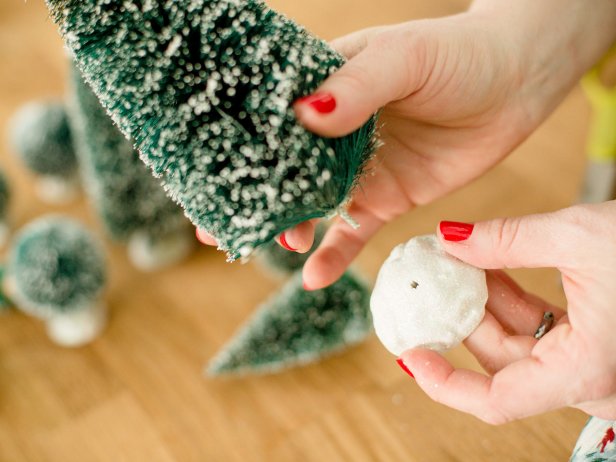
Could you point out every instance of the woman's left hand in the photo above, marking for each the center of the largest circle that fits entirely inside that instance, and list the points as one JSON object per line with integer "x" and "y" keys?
{"x": 574, "y": 364}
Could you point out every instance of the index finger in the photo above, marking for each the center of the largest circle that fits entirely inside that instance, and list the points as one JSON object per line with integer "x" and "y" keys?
{"x": 535, "y": 384}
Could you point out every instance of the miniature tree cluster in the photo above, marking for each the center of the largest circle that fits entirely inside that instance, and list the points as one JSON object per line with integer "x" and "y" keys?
{"x": 296, "y": 327}
{"x": 205, "y": 89}
{"x": 132, "y": 204}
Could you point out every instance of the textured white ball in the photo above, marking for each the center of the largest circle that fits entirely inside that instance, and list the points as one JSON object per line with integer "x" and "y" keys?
{"x": 424, "y": 297}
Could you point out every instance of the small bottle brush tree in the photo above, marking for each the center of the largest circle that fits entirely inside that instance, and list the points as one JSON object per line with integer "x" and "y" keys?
{"x": 41, "y": 138}
{"x": 205, "y": 89}
{"x": 56, "y": 272}
{"x": 296, "y": 327}
{"x": 5, "y": 196}
{"x": 132, "y": 204}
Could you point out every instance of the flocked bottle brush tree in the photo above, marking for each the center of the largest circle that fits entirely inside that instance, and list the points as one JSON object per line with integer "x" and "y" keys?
{"x": 205, "y": 90}
{"x": 131, "y": 204}
{"x": 56, "y": 271}
{"x": 294, "y": 327}
{"x": 41, "y": 138}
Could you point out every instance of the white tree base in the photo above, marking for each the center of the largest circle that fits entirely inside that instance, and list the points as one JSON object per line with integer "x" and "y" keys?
{"x": 4, "y": 234}
{"x": 148, "y": 255}
{"x": 56, "y": 190}
{"x": 79, "y": 327}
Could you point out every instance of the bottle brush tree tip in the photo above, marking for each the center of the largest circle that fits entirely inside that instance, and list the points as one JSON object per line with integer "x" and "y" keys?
{"x": 205, "y": 89}
{"x": 296, "y": 327}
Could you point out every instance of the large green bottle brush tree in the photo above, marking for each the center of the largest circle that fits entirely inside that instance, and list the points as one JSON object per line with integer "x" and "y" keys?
{"x": 205, "y": 90}
{"x": 132, "y": 204}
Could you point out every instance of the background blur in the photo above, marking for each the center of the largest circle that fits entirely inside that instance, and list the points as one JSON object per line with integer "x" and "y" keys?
{"x": 138, "y": 393}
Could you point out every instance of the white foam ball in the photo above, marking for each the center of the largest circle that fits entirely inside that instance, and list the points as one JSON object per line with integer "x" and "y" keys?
{"x": 426, "y": 298}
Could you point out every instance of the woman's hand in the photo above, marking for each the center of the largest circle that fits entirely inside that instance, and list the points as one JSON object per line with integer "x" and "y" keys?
{"x": 459, "y": 93}
{"x": 574, "y": 364}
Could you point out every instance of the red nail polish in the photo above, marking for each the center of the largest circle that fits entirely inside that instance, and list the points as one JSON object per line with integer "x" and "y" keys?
{"x": 404, "y": 368}
{"x": 454, "y": 231}
{"x": 285, "y": 244}
{"x": 323, "y": 103}
{"x": 305, "y": 286}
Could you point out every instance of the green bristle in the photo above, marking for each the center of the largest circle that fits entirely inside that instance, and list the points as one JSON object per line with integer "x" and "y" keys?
{"x": 126, "y": 196}
{"x": 55, "y": 266}
{"x": 296, "y": 327}
{"x": 41, "y": 137}
{"x": 205, "y": 89}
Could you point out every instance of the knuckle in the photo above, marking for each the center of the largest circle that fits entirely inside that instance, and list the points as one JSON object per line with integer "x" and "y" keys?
{"x": 505, "y": 233}
{"x": 588, "y": 225}
{"x": 496, "y": 413}
{"x": 355, "y": 77}
{"x": 383, "y": 40}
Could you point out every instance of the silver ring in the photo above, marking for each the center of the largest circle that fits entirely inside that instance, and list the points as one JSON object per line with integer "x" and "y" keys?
{"x": 546, "y": 324}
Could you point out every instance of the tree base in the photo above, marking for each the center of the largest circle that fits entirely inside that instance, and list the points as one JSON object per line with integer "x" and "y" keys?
{"x": 149, "y": 255}
{"x": 77, "y": 328}
{"x": 57, "y": 191}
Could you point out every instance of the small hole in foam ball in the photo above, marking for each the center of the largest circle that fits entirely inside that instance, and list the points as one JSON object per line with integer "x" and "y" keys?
{"x": 414, "y": 284}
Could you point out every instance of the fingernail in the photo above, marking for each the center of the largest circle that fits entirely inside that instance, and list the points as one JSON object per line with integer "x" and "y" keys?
{"x": 404, "y": 368}
{"x": 305, "y": 286}
{"x": 197, "y": 234}
{"x": 323, "y": 103}
{"x": 455, "y": 231}
{"x": 285, "y": 244}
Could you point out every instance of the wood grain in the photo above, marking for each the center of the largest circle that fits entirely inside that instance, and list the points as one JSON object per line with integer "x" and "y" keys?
{"x": 138, "y": 393}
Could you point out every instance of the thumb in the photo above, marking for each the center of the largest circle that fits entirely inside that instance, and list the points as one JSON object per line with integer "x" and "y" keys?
{"x": 385, "y": 70}
{"x": 533, "y": 241}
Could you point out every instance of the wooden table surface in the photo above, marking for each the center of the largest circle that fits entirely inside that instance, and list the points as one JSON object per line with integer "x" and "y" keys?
{"x": 138, "y": 392}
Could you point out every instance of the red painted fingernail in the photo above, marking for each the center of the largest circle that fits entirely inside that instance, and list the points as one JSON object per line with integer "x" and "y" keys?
{"x": 323, "y": 103}
{"x": 305, "y": 286}
{"x": 404, "y": 368}
{"x": 455, "y": 231}
{"x": 285, "y": 244}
